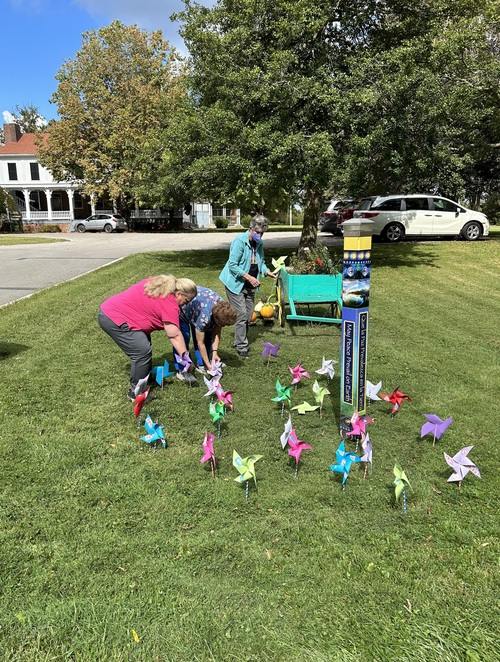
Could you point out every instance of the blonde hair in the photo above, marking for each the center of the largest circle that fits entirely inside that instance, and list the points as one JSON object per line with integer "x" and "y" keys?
{"x": 165, "y": 284}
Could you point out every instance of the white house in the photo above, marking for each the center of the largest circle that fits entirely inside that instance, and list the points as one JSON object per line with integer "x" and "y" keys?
{"x": 42, "y": 200}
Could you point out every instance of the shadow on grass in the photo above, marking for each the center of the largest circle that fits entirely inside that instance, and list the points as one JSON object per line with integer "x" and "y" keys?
{"x": 9, "y": 349}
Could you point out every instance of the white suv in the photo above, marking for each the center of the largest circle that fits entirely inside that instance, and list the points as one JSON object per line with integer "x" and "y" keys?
{"x": 395, "y": 216}
{"x": 100, "y": 221}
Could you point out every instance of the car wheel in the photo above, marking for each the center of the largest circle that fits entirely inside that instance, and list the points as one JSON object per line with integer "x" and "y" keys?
{"x": 393, "y": 232}
{"x": 108, "y": 228}
{"x": 80, "y": 227}
{"x": 472, "y": 231}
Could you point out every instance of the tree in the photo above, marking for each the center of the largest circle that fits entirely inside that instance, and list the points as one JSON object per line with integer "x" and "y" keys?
{"x": 111, "y": 100}
{"x": 29, "y": 119}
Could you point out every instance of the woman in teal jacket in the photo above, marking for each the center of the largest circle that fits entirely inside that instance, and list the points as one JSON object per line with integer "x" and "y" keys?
{"x": 241, "y": 275}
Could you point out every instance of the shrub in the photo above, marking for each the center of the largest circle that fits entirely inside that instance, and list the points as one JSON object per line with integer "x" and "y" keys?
{"x": 51, "y": 227}
{"x": 221, "y": 222}
{"x": 492, "y": 208}
{"x": 245, "y": 221}
{"x": 315, "y": 260}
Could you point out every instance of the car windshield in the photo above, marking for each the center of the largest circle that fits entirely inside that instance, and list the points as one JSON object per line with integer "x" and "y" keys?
{"x": 365, "y": 203}
{"x": 119, "y": 218}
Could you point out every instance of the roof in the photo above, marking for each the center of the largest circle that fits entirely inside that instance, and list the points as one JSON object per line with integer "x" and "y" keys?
{"x": 24, "y": 146}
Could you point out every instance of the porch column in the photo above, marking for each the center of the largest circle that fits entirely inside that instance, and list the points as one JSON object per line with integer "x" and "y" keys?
{"x": 210, "y": 214}
{"x": 26, "y": 194}
{"x": 92, "y": 204}
{"x": 70, "y": 193}
{"x": 48, "y": 196}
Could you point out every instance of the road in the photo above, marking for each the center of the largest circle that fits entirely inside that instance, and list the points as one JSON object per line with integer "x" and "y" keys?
{"x": 33, "y": 267}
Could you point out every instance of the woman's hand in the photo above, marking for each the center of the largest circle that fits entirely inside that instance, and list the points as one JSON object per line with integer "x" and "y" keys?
{"x": 254, "y": 282}
{"x": 272, "y": 274}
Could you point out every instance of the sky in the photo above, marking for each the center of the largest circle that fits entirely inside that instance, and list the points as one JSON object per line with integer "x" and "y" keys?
{"x": 38, "y": 36}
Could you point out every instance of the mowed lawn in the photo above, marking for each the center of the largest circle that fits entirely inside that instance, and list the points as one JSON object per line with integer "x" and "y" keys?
{"x": 16, "y": 239}
{"x": 110, "y": 550}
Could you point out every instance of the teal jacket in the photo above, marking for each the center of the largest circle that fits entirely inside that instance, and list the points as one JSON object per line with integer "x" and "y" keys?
{"x": 238, "y": 264}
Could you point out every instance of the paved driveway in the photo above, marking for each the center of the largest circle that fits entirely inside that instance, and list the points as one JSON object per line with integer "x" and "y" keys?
{"x": 27, "y": 269}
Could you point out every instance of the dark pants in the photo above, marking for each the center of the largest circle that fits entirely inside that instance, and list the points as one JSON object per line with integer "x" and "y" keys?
{"x": 243, "y": 305}
{"x": 188, "y": 331}
{"x": 135, "y": 344}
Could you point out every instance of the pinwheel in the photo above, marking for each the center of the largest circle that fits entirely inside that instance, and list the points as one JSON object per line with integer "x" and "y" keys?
{"x": 298, "y": 374}
{"x": 319, "y": 395}
{"x": 212, "y": 385}
{"x": 461, "y": 465}
{"x": 372, "y": 390}
{"x": 208, "y": 452}
{"x": 366, "y": 445}
{"x": 269, "y": 350}
{"x": 358, "y": 426}
{"x": 162, "y": 372}
{"x": 217, "y": 412}
{"x": 435, "y": 426}
{"x": 246, "y": 469}
{"x": 400, "y": 482}
{"x": 286, "y": 433}
{"x": 225, "y": 397}
{"x": 278, "y": 263}
{"x": 154, "y": 432}
{"x": 295, "y": 448}
{"x": 343, "y": 462}
{"x": 184, "y": 362}
{"x": 327, "y": 368}
{"x": 397, "y": 398}
{"x": 305, "y": 407}
{"x": 139, "y": 402}
{"x": 141, "y": 386}
{"x": 216, "y": 368}
{"x": 283, "y": 394}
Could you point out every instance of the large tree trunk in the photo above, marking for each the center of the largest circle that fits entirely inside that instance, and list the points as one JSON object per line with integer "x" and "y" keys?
{"x": 312, "y": 210}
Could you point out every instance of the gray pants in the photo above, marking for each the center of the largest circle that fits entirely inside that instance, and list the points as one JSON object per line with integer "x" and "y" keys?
{"x": 135, "y": 344}
{"x": 243, "y": 305}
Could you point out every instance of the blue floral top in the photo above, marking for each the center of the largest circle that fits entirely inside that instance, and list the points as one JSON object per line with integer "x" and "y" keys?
{"x": 198, "y": 311}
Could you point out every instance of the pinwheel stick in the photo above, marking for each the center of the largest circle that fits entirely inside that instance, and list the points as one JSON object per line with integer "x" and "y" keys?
{"x": 405, "y": 502}
{"x": 434, "y": 439}
{"x": 296, "y": 469}
{"x": 357, "y": 445}
{"x": 218, "y": 429}
{"x": 282, "y": 407}
{"x": 247, "y": 489}
{"x": 365, "y": 475}
{"x": 213, "y": 466}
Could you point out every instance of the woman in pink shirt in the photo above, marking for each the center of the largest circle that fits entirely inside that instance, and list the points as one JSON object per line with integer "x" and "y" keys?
{"x": 150, "y": 305}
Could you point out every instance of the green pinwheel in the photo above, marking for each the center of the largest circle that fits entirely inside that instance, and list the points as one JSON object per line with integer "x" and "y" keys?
{"x": 283, "y": 394}
{"x": 400, "y": 483}
{"x": 319, "y": 394}
{"x": 246, "y": 469}
{"x": 217, "y": 412}
{"x": 305, "y": 407}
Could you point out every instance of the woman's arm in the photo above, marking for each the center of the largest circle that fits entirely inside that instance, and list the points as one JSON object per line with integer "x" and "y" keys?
{"x": 176, "y": 338}
{"x": 216, "y": 342}
{"x": 200, "y": 341}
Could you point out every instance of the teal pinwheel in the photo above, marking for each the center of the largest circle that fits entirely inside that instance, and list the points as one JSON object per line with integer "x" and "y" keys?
{"x": 283, "y": 394}
{"x": 343, "y": 462}
{"x": 246, "y": 469}
{"x": 319, "y": 395}
{"x": 400, "y": 483}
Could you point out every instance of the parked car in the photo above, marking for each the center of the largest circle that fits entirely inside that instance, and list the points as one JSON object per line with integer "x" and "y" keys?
{"x": 395, "y": 216}
{"x": 100, "y": 221}
{"x": 328, "y": 221}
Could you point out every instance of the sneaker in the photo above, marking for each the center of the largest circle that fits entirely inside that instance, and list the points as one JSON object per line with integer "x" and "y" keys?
{"x": 186, "y": 377}
{"x": 243, "y": 353}
{"x": 201, "y": 370}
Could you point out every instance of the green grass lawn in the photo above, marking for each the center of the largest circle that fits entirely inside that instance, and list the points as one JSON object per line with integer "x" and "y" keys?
{"x": 14, "y": 239}
{"x": 100, "y": 535}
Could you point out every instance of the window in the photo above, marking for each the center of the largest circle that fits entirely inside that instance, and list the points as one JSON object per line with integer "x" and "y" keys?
{"x": 444, "y": 205}
{"x": 35, "y": 173}
{"x": 78, "y": 201}
{"x": 416, "y": 204}
{"x": 12, "y": 171}
{"x": 365, "y": 203}
{"x": 393, "y": 204}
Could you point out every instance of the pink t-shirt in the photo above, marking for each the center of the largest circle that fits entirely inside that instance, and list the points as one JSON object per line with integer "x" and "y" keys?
{"x": 140, "y": 311}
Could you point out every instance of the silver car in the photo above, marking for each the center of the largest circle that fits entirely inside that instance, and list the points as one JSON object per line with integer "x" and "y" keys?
{"x": 100, "y": 221}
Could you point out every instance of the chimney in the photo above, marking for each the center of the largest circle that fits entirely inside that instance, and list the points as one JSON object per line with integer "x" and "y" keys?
{"x": 11, "y": 133}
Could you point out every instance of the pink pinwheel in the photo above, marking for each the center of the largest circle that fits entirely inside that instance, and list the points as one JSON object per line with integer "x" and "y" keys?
{"x": 435, "y": 426}
{"x": 295, "y": 448}
{"x": 208, "y": 451}
{"x": 212, "y": 385}
{"x": 461, "y": 465}
{"x": 298, "y": 373}
{"x": 358, "y": 425}
{"x": 226, "y": 397}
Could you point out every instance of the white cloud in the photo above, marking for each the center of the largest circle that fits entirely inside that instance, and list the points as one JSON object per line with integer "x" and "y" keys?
{"x": 8, "y": 117}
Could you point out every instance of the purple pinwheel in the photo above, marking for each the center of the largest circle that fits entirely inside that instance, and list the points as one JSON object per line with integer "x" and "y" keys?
{"x": 435, "y": 426}
{"x": 298, "y": 373}
{"x": 461, "y": 465}
{"x": 184, "y": 361}
{"x": 212, "y": 385}
{"x": 216, "y": 369}
{"x": 269, "y": 350}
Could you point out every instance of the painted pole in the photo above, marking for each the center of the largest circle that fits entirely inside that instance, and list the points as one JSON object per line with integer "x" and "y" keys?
{"x": 356, "y": 272}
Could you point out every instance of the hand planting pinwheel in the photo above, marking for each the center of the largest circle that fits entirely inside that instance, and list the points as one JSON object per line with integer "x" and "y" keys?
{"x": 184, "y": 362}
{"x": 435, "y": 426}
{"x": 305, "y": 407}
{"x": 209, "y": 452}
{"x": 343, "y": 462}
{"x": 279, "y": 262}
{"x": 295, "y": 448}
{"x": 327, "y": 368}
{"x": 461, "y": 465}
{"x": 154, "y": 433}
{"x": 246, "y": 469}
{"x": 283, "y": 394}
{"x": 396, "y": 398}
{"x": 400, "y": 483}
{"x": 216, "y": 368}
{"x": 269, "y": 350}
{"x": 298, "y": 374}
{"x": 319, "y": 395}
{"x": 372, "y": 390}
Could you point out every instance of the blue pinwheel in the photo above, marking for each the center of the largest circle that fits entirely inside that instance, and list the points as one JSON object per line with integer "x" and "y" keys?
{"x": 343, "y": 462}
{"x": 154, "y": 433}
{"x": 161, "y": 372}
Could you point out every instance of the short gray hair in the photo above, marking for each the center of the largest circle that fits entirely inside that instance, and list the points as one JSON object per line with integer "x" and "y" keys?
{"x": 260, "y": 222}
